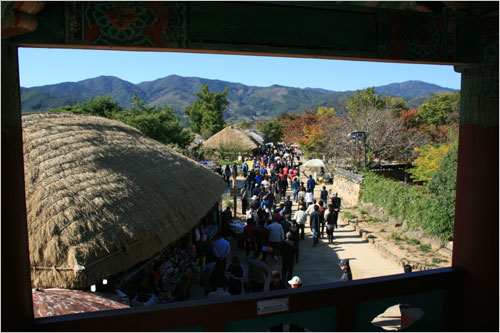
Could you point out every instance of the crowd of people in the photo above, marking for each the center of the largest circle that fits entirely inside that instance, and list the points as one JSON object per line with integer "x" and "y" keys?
{"x": 271, "y": 230}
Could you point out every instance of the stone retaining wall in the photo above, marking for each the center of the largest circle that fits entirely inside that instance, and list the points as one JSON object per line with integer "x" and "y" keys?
{"x": 384, "y": 251}
{"x": 348, "y": 185}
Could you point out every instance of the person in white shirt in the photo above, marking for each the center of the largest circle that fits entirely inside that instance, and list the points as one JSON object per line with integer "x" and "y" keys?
{"x": 251, "y": 214}
{"x": 309, "y": 198}
{"x": 276, "y": 235}
{"x": 310, "y": 210}
{"x": 300, "y": 217}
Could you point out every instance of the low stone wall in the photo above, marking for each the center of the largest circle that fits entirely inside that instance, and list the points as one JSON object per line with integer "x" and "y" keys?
{"x": 348, "y": 185}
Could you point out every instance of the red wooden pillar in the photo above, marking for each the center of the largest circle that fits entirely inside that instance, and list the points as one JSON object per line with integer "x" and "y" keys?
{"x": 17, "y": 304}
{"x": 475, "y": 245}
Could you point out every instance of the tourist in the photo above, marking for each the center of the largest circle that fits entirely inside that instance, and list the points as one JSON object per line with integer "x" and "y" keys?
{"x": 218, "y": 273}
{"x": 283, "y": 186}
{"x": 219, "y": 292}
{"x": 226, "y": 219}
{"x": 300, "y": 217}
{"x": 244, "y": 200}
{"x": 294, "y": 229}
{"x": 295, "y": 282}
{"x": 256, "y": 190}
{"x": 330, "y": 223}
{"x": 235, "y": 170}
{"x": 302, "y": 191}
{"x": 310, "y": 183}
{"x": 236, "y": 273}
{"x": 346, "y": 268}
{"x": 261, "y": 235}
{"x": 287, "y": 247}
{"x": 324, "y": 196}
{"x": 276, "y": 282}
{"x": 221, "y": 249}
{"x": 309, "y": 197}
{"x": 248, "y": 236}
{"x": 336, "y": 203}
{"x": 310, "y": 208}
{"x": 322, "y": 211}
{"x": 288, "y": 208}
{"x": 257, "y": 272}
{"x": 254, "y": 202}
{"x": 227, "y": 174}
{"x": 276, "y": 235}
{"x": 244, "y": 169}
{"x": 251, "y": 214}
{"x": 295, "y": 189}
{"x": 315, "y": 220}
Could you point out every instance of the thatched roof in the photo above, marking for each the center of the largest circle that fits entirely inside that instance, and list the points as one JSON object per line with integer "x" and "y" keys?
{"x": 101, "y": 197}
{"x": 231, "y": 137}
{"x": 258, "y": 136}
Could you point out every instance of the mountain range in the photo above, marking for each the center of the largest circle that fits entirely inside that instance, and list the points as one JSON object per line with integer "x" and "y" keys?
{"x": 247, "y": 103}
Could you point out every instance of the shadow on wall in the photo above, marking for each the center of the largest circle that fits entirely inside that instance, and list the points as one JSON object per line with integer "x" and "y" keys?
{"x": 348, "y": 186}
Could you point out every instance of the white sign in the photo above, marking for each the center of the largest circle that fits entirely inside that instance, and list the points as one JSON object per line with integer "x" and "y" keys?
{"x": 272, "y": 306}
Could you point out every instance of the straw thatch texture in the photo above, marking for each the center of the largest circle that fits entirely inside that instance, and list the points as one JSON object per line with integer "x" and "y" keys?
{"x": 101, "y": 197}
{"x": 231, "y": 137}
{"x": 258, "y": 136}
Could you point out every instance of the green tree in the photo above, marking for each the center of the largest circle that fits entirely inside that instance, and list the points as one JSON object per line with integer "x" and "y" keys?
{"x": 428, "y": 161}
{"x": 326, "y": 111}
{"x": 161, "y": 124}
{"x": 365, "y": 99}
{"x": 273, "y": 129}
{"x": 396, "y": 104}
{"x": 206, "y": 113}
{"x": 440, "y": 109}
{"x": 101, "y": 106}
{"x": 443, "y": 187}
{"x": 243, "y": 125}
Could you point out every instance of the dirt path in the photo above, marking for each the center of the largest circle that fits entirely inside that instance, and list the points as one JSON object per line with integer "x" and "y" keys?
{"x": 318, "y": 265}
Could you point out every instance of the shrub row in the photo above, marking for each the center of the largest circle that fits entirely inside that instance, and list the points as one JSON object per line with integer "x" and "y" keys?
{"x": 420, "y": 208}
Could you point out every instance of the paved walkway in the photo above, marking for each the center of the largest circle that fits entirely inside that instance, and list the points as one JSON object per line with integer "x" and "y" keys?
{"x": 318, "y": 265}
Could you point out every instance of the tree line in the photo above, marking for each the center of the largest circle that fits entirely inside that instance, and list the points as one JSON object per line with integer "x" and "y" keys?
{"x": 161, "y": 123}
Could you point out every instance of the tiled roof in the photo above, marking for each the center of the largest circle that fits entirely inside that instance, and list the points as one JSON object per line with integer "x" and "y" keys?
{"x": 56, "y": 302}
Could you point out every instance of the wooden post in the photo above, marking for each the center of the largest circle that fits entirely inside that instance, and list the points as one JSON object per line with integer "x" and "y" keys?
{"x": 234, "y": 196}
{"x": 17, "y": 309}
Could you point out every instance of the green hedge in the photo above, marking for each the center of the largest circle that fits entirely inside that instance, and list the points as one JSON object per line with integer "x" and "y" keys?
{"x": 415, "y": 205}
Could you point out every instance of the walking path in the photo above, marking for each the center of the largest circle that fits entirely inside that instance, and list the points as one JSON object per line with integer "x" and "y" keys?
{"x": 318, "y": 265}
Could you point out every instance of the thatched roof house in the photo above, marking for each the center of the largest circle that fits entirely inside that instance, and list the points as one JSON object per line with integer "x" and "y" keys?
{"x": 101, "y": 197}
{"x": 231, "y": 137}
{"x": 258, "y": 136}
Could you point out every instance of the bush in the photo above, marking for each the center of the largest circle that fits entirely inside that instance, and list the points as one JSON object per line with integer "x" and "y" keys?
{"x": 419, "y": 207}
{"x": 227, "y": 201}
{"x": 425, "y": 247}
{"x": 350, "y": 216}
{"x": 395, "y": 236}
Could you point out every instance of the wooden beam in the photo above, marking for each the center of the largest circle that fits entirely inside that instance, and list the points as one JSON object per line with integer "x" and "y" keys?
{"x": 260, "y": 28}
{"x": 17, "y": 304}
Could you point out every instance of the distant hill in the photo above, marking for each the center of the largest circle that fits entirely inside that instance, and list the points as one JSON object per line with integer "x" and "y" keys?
{"x": 411, "y": 89}
{"x": 247, "y": 103}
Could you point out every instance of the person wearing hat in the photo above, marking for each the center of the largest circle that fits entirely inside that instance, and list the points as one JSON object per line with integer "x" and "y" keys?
{"x": 346, "y": 275}
{"x": 256, "y": 190}
{"x": 287, "y": 248}
{"x": 295, "y": 282}
{"x": 254, "y": 202}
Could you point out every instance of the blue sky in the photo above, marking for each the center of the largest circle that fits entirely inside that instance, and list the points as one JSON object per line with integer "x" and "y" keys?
{"x": 48, "y": 66}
